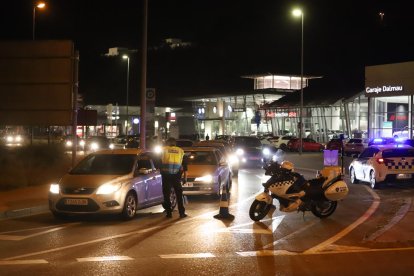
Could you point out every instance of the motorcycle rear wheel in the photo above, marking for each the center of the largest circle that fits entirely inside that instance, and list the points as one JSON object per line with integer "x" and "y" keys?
{"x": 259, "y": 210}
{"x": 323, "y": 209}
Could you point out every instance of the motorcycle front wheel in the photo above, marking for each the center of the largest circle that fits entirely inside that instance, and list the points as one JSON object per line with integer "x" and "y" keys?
{"x": 259, "y": 210}
{"x": 323, "y": 209}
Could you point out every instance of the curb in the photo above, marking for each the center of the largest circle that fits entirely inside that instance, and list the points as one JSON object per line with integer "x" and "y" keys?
{"x": 24, "y": 212}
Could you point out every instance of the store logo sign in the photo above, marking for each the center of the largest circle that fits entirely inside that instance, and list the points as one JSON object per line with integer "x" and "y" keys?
{"x": 384, "y": 88}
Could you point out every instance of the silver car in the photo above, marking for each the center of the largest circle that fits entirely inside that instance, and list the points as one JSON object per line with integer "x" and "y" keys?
{"x": 109, "y": 181}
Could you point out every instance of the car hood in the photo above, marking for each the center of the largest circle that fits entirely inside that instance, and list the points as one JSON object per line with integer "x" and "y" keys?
{"x": 200, "y": 170}
{"x": 90, "y": 181}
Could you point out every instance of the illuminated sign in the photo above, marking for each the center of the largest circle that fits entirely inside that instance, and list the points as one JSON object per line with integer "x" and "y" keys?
{"x": 384, "y": 88}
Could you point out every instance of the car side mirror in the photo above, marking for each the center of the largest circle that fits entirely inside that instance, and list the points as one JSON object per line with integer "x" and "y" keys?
{"x": 143, "y": 171}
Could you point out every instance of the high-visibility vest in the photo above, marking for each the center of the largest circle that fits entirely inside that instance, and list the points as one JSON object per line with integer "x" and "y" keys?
{"x": 172, "y": 158}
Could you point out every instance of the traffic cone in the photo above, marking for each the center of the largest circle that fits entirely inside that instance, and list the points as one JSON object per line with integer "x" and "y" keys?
{"x": 224, "y": 206}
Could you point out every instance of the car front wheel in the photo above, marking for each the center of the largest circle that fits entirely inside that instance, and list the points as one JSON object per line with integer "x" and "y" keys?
{"x": 372, "y": 181}
{"x": 130, "y": 206}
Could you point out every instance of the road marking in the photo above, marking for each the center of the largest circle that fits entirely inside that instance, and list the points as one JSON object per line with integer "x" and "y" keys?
{"x": 188, "y": 256}
{"x": 264, "y": 230}
{"x": 23, "y": 262}
{"x": 285, "y": 238}
{"x": 400, "y": 214}
{"x": 362, "y": 219}
{"x": 104, "y": 259}
{"x": 263, "y": 253}
{"x": 85, "y": 243}
{"x": 19, "y": 238}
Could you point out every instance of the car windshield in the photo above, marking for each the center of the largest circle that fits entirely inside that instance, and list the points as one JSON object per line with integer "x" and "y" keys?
{"x": 109, "y": 164}
{"x": 248, "y": 142}
{"x": 201, "y": 158}
{"x": 398, "y": 153}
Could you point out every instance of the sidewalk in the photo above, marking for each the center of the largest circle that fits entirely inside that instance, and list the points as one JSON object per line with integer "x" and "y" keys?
{"x": 24, "y": 201}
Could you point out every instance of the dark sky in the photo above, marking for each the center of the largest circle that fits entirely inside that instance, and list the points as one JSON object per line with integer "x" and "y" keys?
{"x": 231, "y": 38}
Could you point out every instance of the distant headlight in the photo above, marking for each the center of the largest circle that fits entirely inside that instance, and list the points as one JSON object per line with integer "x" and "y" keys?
{"x": 266, "y": 151}
{"x": 68, "y": 143}
{"x": 94, "y": 146}
{"x": 82, "y": 143}
{"x": 205, "y": 178}
{"x": 18, "y": 138}
{"x": 240, "y": 152}
{"x": 108, "y": 188}
{"x": 111, "y": 146}
{"x": 54, "y": 188}
{"x": 9, "y": 138}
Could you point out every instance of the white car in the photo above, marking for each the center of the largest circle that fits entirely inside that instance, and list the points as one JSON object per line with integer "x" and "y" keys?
{"x": 383, "y": 163}
{"x": 282, "y": 142}
{"x": 403, "y": 133}
{"x": 109, "y": 181}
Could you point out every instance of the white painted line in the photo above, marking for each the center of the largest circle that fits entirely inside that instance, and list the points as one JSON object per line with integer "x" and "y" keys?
{"x": 85, "y": 243}
{"x": 188, "y": 256}
{"x": 285, "y": 238}
{"x": 362, "y": 219}
{"x": 104, "y": 259}
{"x": 263, "y": 253}
{"x": 245, "y": 231}
{"x": 31, "y": 229}
{"x": 269, "y": 230}
{"x": 400, "y": 214}
{"x": 19, "y": 238}
{"x": 23, "y": 262}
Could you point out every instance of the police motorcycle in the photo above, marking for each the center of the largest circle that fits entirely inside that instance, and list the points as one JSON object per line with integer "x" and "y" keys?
{"x": 295, "y": 193}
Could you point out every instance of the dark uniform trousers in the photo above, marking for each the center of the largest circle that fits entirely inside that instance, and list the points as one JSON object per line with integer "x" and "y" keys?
{"x": 174, "y": 181}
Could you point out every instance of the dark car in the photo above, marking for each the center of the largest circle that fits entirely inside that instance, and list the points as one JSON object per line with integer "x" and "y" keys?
{"x": 335, "y": 144}
{"x": 94, "y": 143}
{"x": 307, "y": 145}
{"x": 249, "y": 150}
{"x": 354, "y": 146}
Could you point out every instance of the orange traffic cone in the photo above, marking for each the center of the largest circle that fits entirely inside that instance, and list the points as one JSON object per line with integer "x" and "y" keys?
{"x": 224, "y": 206}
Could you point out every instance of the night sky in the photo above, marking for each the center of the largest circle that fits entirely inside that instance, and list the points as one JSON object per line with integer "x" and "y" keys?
{"x": 230, "y": 39}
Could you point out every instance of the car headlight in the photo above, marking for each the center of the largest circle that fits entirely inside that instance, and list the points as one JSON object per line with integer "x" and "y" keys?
{"x": 233, "y": 159}
{"x": 9, "y": 138}
{"x": 94, "y": 146}
{"x": 54, "y": 188}
{"x": 108, "y": 188}
{"x": 68, "y": 143}
{"x": 82, "y": 143}
{"x": 239, "y": 152}
{"x": 205, "y": 178}
{"x": 111, "y": 146}
{"x": 18, "y": 138}
{"x": 266, "y": 151}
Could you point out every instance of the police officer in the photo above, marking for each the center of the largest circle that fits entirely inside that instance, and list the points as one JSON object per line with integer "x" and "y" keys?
{"x": 173, "y": 165}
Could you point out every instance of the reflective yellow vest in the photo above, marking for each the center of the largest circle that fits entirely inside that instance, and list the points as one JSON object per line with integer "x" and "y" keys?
{"x": 172, "y": 158}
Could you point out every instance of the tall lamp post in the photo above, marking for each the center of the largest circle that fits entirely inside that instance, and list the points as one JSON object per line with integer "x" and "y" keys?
{"x": 39, "y": 5}
{"x": 127, "y": 93}
{"x": 297, "y": 13}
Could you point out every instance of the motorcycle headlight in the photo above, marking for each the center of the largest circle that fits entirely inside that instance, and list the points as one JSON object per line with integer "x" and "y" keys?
{"x": 157, "y": 149}
{"x": 108, "y": 188}
{"x": 239, "y": 152}
{"x": 54, "y": 188}
{"x": 266, "y": 151}
{"x": 205, "y": 178}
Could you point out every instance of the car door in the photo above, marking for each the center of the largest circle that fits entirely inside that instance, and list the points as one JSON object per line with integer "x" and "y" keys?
{"x": 140, "y": 187}
{"x": 152, "y": 179}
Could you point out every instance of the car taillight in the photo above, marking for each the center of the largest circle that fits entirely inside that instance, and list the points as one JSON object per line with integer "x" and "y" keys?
{"x": 380, "y": 160}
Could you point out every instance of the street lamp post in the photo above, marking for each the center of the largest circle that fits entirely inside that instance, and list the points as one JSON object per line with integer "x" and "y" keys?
{"x": 297, "y": 13}
{"x": 127, "y": 92}
{"x": 40, "y": 5}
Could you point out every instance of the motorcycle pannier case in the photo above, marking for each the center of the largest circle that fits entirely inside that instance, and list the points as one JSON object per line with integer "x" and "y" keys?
{"x": 337, "y": 191}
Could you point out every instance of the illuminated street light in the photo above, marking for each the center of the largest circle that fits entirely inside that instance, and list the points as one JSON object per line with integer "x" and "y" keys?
{"x": 127, "y": 92}
{"x": 297, "y": 13}
{"x": 39, "y": 5}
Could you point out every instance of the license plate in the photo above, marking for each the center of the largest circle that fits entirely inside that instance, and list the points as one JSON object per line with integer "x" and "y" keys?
{"x": 76, "y": 201}
{"x": 404, "y": 176}
{"x": 188, "y": 184}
